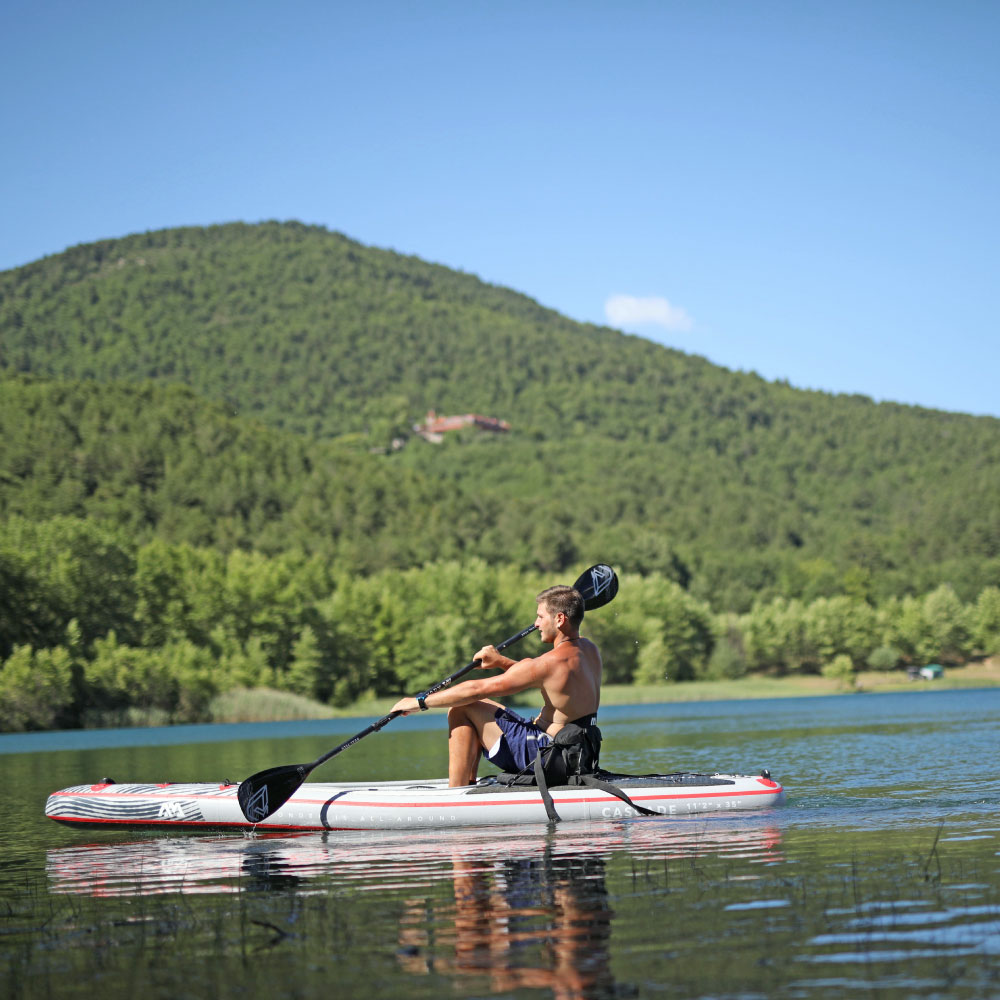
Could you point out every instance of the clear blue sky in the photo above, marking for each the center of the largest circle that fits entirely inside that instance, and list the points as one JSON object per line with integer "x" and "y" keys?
{"x": 806, "y": 190}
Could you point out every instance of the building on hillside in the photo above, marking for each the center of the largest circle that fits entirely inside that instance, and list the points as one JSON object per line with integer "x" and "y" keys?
{"x": 434, "y": 427}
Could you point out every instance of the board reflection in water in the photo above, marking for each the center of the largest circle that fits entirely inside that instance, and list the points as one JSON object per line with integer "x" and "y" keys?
{"x": 532, "y": 909}
{"x": 317, "y": 863}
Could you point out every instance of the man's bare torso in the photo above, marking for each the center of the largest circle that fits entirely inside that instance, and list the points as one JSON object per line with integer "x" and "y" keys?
{"x": 571, "y": 688}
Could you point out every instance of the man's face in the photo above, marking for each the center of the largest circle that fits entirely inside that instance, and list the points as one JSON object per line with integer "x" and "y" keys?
{"x": 547, "y": 622}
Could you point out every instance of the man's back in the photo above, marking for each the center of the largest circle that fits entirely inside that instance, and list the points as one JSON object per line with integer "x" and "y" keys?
{"x": 571, "y": 687}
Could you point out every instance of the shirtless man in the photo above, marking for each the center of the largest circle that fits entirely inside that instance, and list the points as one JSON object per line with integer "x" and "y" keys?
{"x": 568, "y": 675}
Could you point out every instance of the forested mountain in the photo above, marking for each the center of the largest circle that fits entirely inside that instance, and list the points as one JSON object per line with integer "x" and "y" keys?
{"x": 301, "y": 352}
{"x": 159, "y": 461}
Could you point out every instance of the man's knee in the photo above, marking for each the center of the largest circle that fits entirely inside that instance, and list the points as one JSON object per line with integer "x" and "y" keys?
{"x": 478, "y": 713}
{"x": 480, "y": 716}
{"x": 457, "y": 716}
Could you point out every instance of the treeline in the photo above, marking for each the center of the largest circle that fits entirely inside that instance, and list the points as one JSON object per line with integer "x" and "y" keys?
{"x": 160, "y": 462}
{"x": 92, "y": 626}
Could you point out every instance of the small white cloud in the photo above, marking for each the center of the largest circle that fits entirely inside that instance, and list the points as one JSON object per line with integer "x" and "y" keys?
{"x": 629, "y": 311}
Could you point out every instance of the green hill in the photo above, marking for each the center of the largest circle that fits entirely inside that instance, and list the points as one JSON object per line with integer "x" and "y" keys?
{"x": 302, "y": 352}
{"x": 160, "y": 462}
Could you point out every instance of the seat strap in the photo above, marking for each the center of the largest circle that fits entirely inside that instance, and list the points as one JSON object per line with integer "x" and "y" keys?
{"x": 604, "y": 786}
{"x": 583, "y": 779}
{"x": 543, "y": 788}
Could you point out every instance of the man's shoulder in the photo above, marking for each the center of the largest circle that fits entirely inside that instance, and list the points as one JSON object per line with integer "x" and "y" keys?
{"x": 581, "y": 650}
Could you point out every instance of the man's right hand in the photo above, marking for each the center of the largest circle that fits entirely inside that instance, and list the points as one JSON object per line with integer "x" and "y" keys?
{"x": 484, "y": 656}
{"x": 491, "y": 659}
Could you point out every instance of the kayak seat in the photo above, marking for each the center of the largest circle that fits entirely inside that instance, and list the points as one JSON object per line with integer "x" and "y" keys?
{"x": 678, "y": 778}
{"x": 494, "y": 784}
{"x": 570, "y": 760}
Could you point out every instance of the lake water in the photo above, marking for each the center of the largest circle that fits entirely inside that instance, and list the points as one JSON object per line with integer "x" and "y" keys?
{"x": 880, "y": 876}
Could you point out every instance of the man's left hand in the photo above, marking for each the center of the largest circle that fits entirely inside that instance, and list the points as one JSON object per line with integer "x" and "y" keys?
{"x": 406, "y": 705}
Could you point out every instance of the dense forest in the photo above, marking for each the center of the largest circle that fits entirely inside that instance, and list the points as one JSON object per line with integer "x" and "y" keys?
{"x": 251, "y": 391}
{"x": 95, "y": 628}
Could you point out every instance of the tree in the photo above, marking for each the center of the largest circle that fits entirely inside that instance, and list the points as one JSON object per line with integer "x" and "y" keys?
{"x": 840, "y": 626}
{"x": 670, "y": 632}
{"x": 775, "y": 637}
{"x": 933, "y": 627}
{"x": 36, "y": 688}
{"x": 52, "y": 572}
{"x": 948, "y": 624}
{"x": 180, "y": 593}
{"x": 840, "y": 669}
{"x": 985, "y": 621}
{"x": 305, "y": 672}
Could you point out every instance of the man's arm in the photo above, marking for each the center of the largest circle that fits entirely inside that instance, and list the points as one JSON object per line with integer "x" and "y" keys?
{"x": 519, "y": 676}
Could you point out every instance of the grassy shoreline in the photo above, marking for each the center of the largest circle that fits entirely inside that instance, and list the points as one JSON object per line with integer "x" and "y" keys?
{"x": 263, "y": 705}
{"x": 747, "y": 688}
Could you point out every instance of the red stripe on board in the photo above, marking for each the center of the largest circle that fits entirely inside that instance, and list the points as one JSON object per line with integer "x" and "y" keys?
{"x": 102, "y": 794}
{"x": 266, "y": 828}
{"x": 343, "y": 800}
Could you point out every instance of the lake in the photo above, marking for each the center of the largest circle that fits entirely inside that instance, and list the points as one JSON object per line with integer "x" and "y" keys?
{"x": 880, "y": 876}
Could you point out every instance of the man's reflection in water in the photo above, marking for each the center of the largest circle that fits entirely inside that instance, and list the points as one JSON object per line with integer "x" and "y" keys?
{"x": 535, "y": 923}
{"x": 265, "y": 870}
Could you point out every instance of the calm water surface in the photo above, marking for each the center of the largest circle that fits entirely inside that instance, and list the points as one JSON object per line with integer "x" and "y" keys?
{"x": 878, "y": 877}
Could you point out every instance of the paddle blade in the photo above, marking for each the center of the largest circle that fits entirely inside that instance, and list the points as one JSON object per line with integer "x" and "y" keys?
{"x": 266, "y": 792}
{"x": 598, "y": 585}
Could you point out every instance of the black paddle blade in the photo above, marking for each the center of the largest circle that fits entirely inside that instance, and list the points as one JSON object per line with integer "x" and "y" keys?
{"x": 267, "y": 791}
{"x": 598, "y": 585}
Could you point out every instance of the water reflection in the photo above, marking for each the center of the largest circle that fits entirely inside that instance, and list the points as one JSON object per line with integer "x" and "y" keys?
{"x": 186, "y": 865}
{"x": 381, "y": 861}
{"x": 528, "y": 909}
{"x": 540, "y": 923}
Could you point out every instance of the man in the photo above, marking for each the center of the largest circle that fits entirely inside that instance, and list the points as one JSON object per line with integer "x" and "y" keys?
{"x": 568, "y": 675}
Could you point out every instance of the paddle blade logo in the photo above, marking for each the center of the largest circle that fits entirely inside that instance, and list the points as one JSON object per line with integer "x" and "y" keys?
{"x": 601, "y": 578}
{"x": 255, "y": 809}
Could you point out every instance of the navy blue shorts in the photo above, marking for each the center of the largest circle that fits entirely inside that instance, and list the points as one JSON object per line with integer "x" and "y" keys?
{"x": 519, "y": 744}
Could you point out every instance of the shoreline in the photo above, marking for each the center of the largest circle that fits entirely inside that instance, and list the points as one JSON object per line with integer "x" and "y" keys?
{"x": 985, "y": 673}
{"x": 264, "y": 705}
{"x": 752, "y": 688}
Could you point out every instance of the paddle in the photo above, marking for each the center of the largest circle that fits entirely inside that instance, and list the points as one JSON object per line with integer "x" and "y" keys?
{"x": 265, "y": 792}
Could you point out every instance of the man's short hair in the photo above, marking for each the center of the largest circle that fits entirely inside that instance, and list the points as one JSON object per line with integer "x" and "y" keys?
{"x": 564, "y": 599}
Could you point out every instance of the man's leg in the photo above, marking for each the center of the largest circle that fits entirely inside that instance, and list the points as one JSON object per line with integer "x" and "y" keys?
{"x": 471, "y": 728}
